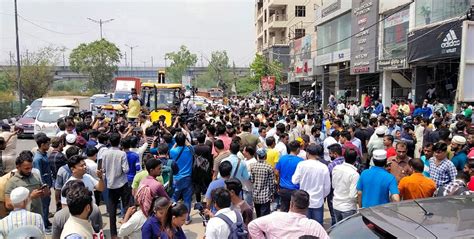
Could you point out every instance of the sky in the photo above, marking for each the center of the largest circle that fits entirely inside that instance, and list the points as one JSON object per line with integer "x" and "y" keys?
{"x": 156, "y": 27}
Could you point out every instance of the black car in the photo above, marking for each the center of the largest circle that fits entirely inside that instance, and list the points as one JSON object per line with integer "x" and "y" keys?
{"x": 441, "y": 217}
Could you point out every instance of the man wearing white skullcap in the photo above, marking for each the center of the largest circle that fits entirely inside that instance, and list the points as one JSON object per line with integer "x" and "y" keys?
{"x": 20, "y": 216}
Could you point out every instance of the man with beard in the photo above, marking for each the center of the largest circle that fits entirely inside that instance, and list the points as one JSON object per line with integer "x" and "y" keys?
{"x": 460, "y": 158}
{"x": 25, "y": 178}
{"x": 79, "y": 202}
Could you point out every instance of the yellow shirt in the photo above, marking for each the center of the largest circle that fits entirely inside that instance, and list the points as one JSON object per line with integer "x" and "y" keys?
{"x": 272, "y": 157}
{"x": 134, "y": 108}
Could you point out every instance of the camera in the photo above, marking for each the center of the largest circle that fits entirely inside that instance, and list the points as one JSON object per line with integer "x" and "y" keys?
{"x": 200, "y": 206}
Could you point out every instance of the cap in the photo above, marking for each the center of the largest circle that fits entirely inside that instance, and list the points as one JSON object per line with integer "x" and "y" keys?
{"x": 228, "y": 124}
{"x": 380, "y": 131}
{"x": 457, "y": 139}
{"x": 19, "y": 195}
{"x": 71, "y": 138}
{"x": 261, "y": 153}
{"x": 379, "y": 154}
{"x": 187, "y": 94}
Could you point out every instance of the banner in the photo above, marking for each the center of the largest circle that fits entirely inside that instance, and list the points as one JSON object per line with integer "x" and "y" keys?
{"x": 435, "y": 43}
{"x": 268, "y": 83}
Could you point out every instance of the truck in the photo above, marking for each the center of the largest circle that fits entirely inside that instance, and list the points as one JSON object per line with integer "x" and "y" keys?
{"x": 123, "y": 87}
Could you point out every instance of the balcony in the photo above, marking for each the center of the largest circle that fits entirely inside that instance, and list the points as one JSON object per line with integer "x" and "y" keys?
{"x": 277, "y": 18}
{"x": 277, "y": 41}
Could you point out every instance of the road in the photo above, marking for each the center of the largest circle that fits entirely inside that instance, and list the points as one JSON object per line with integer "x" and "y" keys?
{"x": 193, "y": 230}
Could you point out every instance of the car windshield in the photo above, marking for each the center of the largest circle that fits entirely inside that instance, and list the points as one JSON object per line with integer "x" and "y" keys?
{"x": 31, "y": 113}
{"x": 100, "y": 100}
{"x": 51, "y": 115}
{"x": 121, "y": 95}
{"x": 165, "y": 98}
{"x": 36, "y": 103}
{"x": 354, "y": 227}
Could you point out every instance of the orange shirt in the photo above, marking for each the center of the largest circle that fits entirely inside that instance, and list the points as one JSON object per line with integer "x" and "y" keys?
{"x": 416, "y": 186}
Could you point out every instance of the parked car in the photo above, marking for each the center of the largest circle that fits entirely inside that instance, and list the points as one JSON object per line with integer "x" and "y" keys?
{"x": 36, "y": 104}
{"x": 27, "y": 122}
{"x": 97, "y": 101}
{"x": 52, "y": 110}
{"x": 440, "y": 217}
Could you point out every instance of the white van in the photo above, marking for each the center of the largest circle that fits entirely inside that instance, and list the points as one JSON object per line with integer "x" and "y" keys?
{"x": 52, "y": 110}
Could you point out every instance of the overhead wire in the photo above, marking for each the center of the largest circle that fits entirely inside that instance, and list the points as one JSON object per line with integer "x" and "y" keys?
{"x": 47, "y": 29}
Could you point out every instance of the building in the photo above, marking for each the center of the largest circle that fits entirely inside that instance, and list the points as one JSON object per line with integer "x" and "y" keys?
{"x": 279, "y": 22}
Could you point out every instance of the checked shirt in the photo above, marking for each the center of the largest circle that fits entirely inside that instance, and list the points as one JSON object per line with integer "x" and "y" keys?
{"x": 263, "y": 182}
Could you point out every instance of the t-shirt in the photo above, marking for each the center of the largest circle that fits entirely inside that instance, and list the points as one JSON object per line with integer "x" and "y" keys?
{"x": 376, "y": 185}
{"x": 286, "y": 167}
{"x": 184, "y": 162}
{"x": 218, "y": 183}
{"x": 91, "y": 168}
{"x": 244, "y": 209}
{"x": 134, "y": 107}
{"x": 133, "y": 165}
{"x": 273, "y": 157}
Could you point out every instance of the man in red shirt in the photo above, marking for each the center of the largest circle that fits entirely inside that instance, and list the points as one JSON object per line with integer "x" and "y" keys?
{"x": 469, "y": 169}
{"x": 345, "y": 140}
{"x": 388, "y": 143}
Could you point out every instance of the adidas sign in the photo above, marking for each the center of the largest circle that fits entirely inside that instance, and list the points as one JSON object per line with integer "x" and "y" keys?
{"x": 450, "y": 40}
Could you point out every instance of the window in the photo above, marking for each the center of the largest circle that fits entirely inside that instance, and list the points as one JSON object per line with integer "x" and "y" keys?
{"x": 431, "y": 11}
{"x": 300, "y": 11}
{"x": 395, "y": 35}
{"x": 334, "y": 35}
{"x": 299, "y": 33}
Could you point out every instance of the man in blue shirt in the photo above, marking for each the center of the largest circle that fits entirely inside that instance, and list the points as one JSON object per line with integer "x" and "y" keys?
{"x": 183, "y": 157}
{"x": 225, "y": 169}
{"x": 41, "y": 162}
{"x": 285, "y": 168}
{"x": 376, "y": 185}
{"x": 239, "y": 168}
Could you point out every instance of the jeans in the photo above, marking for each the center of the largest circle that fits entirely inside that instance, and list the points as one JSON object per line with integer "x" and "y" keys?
{"x": 123, "y": 193}
{"x": 341, "y": 215}
{"x": 262, "y": 209}
{"x": 184, "y": 188}
{"x": 248, "y": 197}
{"x": 317, "y": 214}
{"x": 331, "y": 210}
{"x": 45, "y": 201}
{"x": 285, "y": 195}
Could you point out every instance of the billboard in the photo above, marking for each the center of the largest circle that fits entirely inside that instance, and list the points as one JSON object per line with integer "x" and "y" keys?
{"x": 364, "y": 29}
{"x": 268, "y": 83}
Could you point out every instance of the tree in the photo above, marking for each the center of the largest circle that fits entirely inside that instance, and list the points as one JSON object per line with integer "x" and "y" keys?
{"x": 260, "y": 67}
{"x": 181, "y": 60}
{"x": 37, "y": 73}
{"x": 99, "y": 60}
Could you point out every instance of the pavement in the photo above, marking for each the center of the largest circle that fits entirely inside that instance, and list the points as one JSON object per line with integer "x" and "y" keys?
{"x": 192, "y": 231}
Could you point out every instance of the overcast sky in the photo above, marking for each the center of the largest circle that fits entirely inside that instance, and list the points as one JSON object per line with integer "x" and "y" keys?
{"x": 157, "y": 27}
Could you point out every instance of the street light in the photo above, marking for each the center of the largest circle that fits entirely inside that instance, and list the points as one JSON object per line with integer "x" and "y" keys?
{"x": 131, "y": 56}
{"x": 100, "y": 22}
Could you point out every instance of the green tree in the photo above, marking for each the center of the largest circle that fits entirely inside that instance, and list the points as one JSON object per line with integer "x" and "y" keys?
{"x": 99, "y": 60}
{"x": 37, "y": 73}
{"x": 180, "y": 61}
{"x": 260, "y": 67}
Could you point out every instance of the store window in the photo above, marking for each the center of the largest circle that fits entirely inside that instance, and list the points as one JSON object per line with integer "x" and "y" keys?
{"x": 431, "y": 11}
{"x": 395, "y": 35}
{"x": 334, "y": 35}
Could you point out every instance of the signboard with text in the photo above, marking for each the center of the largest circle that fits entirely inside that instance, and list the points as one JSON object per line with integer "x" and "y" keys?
{"x": 364, "y": 42}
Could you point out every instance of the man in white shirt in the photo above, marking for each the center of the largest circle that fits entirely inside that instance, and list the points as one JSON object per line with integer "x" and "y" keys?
{"x": 281, "y": 145}
{"x": 313, "y": 177}
{"x": 344, "y": 182}
{"x": 333, "y": 139}
{"x": 216, "y": 227}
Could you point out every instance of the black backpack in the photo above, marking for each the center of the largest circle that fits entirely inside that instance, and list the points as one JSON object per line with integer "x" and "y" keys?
{"x": 237, "y": 229}
{"x": 200, "y": 168}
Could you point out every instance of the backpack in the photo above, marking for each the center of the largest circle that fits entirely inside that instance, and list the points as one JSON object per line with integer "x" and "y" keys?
{"x": 200, "y": 168}
{"x": 237, "y": 229}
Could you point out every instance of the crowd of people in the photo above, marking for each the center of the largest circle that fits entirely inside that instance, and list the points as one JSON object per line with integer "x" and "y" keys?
{"x": 255, "y": 168}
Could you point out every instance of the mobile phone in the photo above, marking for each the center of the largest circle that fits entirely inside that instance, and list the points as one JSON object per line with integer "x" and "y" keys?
{"x": 99, "y": 164}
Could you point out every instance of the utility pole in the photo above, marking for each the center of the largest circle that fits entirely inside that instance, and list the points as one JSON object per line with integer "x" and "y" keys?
{"x": 144, "y": 64}
{"x": 126, "y": 62}
{"x": 202, "y": 63}
{"x": 152, "y": 61}
{"x": 165, "y": 62}
{"x": 131, "y": 57}
{"x": 18, "y": 66}
{"x": 11, "y": 56}
{"x": 100, "y": 22}
{"x": 27, "y": 56}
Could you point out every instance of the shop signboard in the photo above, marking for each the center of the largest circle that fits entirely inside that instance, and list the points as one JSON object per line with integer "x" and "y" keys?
{"x": 435, "y": 43}
{"x": 364, "y": 40}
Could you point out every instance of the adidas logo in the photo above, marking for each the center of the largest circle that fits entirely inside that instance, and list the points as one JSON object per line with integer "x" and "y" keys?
{"x": 450, "y": 40}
